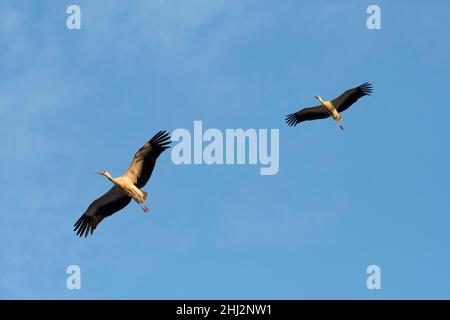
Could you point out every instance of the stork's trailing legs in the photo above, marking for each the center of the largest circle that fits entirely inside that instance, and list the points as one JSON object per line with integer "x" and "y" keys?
{"x": 143, "y": 204}
{"x": 144, "y": 207}
{"x": 140, "y": 199}
{"x": 340, "y": 125}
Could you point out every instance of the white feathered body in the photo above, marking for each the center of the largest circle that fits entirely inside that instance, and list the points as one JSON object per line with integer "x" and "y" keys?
{"x": 332, "y": 110}
{"x": 130, "y": 189}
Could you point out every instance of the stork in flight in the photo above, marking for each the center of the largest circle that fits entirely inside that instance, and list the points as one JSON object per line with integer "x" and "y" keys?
{"x": 330, "y": 108}
{"x": 126, "y": 187}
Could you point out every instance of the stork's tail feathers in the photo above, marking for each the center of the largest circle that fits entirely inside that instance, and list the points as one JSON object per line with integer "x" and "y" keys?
{"x": 145, "y": 194}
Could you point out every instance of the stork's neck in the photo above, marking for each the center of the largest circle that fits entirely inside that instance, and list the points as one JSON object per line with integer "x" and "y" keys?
{"x": 320, "y": 100}
{"x": 108, "y": 176}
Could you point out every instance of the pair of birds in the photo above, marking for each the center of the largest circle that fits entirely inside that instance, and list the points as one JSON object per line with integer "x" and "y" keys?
{"x": 129, "y": 186}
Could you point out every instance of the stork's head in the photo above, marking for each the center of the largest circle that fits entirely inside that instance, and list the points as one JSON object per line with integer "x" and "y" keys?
{"x": 103, "y": 173}
{"x": 319, "y": 98}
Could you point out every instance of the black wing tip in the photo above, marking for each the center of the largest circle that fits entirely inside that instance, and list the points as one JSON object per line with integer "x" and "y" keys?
{"x": 291, "y": 120}
{"x": 84, "y": 226}
{"x": 161, "y": 139}
{"x": 366, "y": 88}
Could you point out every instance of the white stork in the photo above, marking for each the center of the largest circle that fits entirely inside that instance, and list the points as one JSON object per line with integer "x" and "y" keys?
{"x": 330, "y": 108}
{"x": 126, "y": 187}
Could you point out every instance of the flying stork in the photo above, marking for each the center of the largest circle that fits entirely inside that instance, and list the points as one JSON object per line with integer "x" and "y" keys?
{"x": 126, "y": 187}
{"x": 330, "y": 108}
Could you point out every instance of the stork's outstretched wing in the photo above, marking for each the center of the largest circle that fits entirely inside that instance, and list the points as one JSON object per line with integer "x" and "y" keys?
{"x": 141, "y": 167}
{"x": 306, "y": 114}
{"x": 349, "y": 97}
{"x": 112, "y": 201}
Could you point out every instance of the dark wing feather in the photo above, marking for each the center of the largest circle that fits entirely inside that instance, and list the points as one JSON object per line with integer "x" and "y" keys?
{"x": 349, "y": 97}
{"x": 141, "y": 167}
{"x": 306, "y": 114}
{"x": 112, "y": 201}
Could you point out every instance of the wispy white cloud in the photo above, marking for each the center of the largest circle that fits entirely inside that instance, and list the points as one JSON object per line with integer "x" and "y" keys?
{"x": 159, "y": 25}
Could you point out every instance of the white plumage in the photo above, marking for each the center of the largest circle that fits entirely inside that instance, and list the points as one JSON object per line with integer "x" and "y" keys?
{"x": 126, "y": 187}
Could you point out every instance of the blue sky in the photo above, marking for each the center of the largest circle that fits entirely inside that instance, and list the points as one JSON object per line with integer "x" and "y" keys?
{"x": 75, "y": 102}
